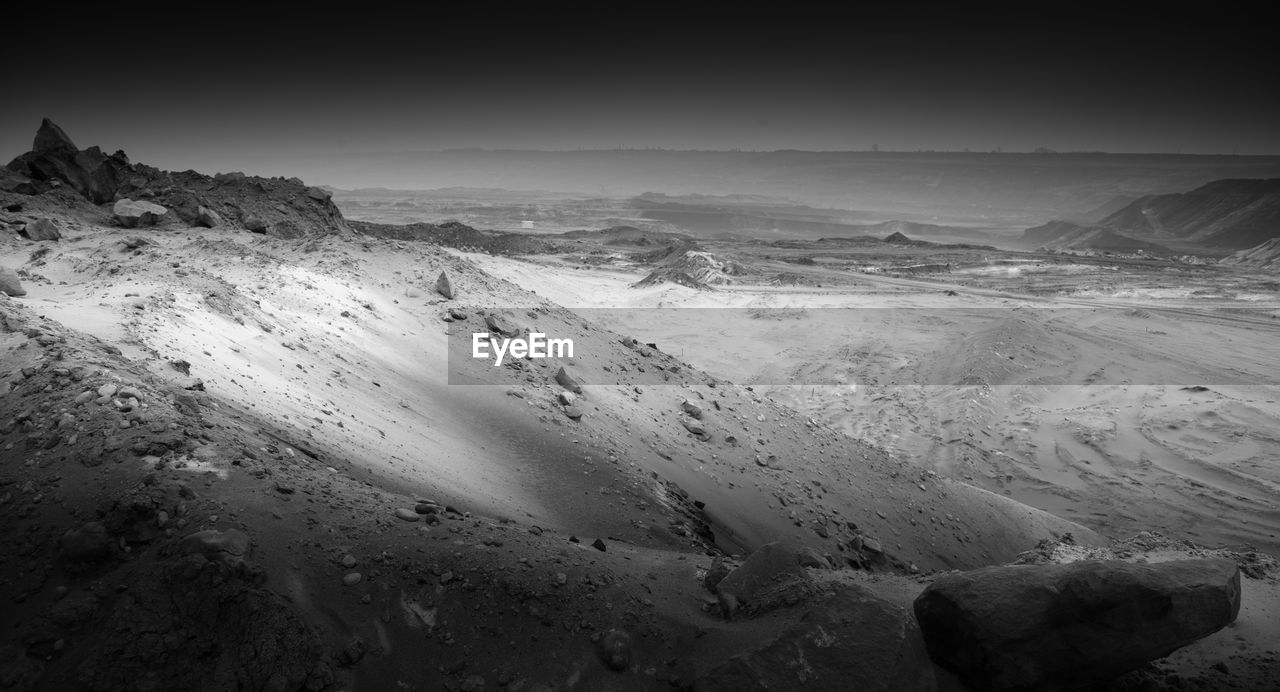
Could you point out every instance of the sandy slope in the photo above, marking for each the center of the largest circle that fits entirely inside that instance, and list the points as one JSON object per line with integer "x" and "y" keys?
{"x": 1077, "y": 406}
{"x": 327, "y": 405}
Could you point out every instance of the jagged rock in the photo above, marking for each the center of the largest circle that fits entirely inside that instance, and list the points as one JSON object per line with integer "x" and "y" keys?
{"x": 230, "y": 177}
{"x": 691, "y": 408}
{"x": 42, "y": 229}
{"x": 10, "y": 285}
{"x": 131, "y": 214}
{"x": 51, "y": 138}
{"x": 573, "y": 412}
{"x": 207, "y": 217}
{"x": 770, "y": 566}
{"x": 567, "y": 398}
{"x": 1065, "y": 626}
{"x": 54, "y": 157}
{"x": 444, "y": 287}
{"x": 569, "y": 382}
{"x": 850, "y": 640}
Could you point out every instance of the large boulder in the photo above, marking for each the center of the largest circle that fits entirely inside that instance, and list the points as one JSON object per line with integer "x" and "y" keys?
{"x": 850, "y": 640}
{"x": 10, "y": 285}
{"x": 771, "y": 566}
{"x": 134, "y": 213}
{"x": 1047, "y": 627}
{"x": 42, "y": 229}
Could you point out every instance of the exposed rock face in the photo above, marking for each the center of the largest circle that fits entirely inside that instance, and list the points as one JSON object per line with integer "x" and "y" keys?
{"x": 1060, "y": 626}
{"x": 132, "y": 214}
{"x": 9, "y": 283}
{"x": 42, "y": 229}
{"x": 54, "y": 157}
{"x": 850, "y": 640}
{"x": 51, "y": 138}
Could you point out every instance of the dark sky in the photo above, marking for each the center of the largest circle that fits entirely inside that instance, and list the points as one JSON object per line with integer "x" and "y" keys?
{"x": 240, "y": 89}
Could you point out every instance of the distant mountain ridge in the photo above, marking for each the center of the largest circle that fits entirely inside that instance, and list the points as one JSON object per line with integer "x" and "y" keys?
{"x": 1265, "y": 257}
{"x": 1232, "y": 214}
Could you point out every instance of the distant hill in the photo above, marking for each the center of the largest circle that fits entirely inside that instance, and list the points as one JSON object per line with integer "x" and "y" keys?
{"x": 1064, "y": 235}
{"x": 1264, "y": 257}
{"x": 1235, "y": 214}
{"x": 980, "y": 187}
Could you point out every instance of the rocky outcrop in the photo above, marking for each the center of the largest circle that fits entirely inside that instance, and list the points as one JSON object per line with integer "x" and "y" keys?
{"x": 285, "y": 208}
{"x": 850, "y": 640}
{"x": 132, "y": 214}
{"x": 1043, "y": 627}
{"x": 54, "y": 159}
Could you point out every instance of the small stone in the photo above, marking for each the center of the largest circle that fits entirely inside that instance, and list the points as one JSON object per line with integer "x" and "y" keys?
{"x": 406, "y": 514}
{"x": 349, "y": 561}
{"x": 352, "y": 578}
{"x": 107, "y": 390}
{"x": 598, "y": 545}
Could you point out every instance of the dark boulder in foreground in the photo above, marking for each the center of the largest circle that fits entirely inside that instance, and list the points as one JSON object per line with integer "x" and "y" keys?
{"x": 850, "y": 640}
{"x": 1051, "y": 627}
